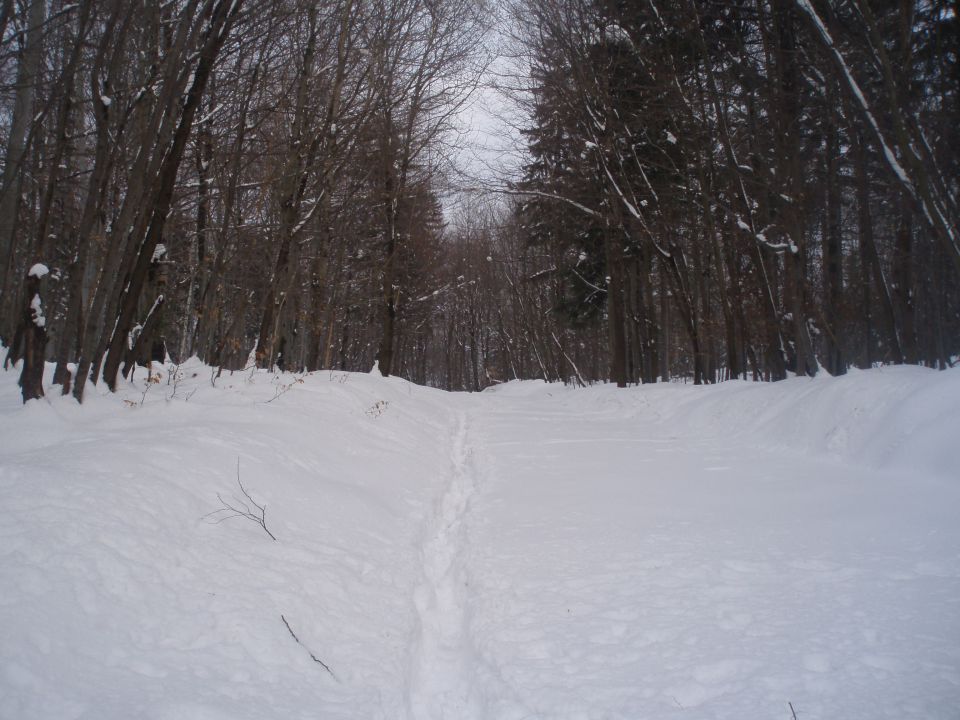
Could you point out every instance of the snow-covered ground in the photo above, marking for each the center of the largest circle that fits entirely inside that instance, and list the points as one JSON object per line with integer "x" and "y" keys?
{"x": 533, "y": 551}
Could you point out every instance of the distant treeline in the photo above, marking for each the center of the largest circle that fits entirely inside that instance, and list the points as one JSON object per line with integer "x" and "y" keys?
{"x": 712, "y": 190}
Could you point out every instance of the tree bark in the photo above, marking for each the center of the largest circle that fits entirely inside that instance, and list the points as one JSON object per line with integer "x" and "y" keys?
{"x": 870, "y": 254}
{"x": 34, "y": 338}
{"x": 12, "y": 179}
{"x": 832, "y": 244}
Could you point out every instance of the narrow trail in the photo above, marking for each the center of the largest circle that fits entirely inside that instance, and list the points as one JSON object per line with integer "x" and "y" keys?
{"x": 440, "y": 683}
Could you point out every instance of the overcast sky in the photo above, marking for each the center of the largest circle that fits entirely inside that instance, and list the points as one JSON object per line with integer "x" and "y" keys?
{"x": 490, "y": 148}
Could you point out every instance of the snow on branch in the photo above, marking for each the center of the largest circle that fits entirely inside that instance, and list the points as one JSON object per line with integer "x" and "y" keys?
{"x": 551, "y": 196}
{"x": 545, "y": 272}
{"x": 589, "y": 284}
{"x": 761, "y": 238}
{"x": 449, "y": 287}
{"x": 917, "y": 187}
{"x": 888, "y": 153}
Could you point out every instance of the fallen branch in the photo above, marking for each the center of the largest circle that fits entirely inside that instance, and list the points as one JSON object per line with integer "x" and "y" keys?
{"x": 241, "y": 509}
{"x": 312, "y": 656}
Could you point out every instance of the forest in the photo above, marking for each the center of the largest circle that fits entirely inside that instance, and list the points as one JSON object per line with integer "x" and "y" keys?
{"x": 702, "y": 190}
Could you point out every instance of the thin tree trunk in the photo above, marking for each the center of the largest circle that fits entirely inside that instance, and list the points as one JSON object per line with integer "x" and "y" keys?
{"x": 615, "y": 314}
{"x": 832, "y": 244}
{"x": 871, "y": 255}
{"x": 903, "y": 294}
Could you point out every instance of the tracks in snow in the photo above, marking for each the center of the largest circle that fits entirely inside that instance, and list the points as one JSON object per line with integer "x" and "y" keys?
{"x": 440, "y": 684}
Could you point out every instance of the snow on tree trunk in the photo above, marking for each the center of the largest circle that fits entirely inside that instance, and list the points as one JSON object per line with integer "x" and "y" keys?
{"x": 34, "y": 334}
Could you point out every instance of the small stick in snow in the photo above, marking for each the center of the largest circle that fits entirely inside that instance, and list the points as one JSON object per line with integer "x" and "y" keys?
{"x": 792, "y": 711}
{"x": 312, "y": 656}
{"x": 259, "y": 516}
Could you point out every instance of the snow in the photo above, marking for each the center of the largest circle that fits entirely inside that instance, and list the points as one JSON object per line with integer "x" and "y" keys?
{"x": 533, "y": 551}
{"x": 38, "y": 270}
{"x": 36, "y": 311}
{"x": 159, "y": 252}
{"x": 133, "y": 335}
{"x": 616, "y": 35}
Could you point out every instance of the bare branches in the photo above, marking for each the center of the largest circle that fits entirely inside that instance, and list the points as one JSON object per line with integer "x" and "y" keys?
{"x": 240, "y": 508}
{"x": 683, "y": 206}
{"x": 919, "y": 179}
{"x": 284, "y": 388}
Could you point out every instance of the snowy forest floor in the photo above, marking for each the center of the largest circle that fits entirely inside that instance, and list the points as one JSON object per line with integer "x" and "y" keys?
{"x": 533, "y": 551}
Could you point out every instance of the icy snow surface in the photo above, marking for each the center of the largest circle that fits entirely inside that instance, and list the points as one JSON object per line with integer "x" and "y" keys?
{"x": 533, "y": 551}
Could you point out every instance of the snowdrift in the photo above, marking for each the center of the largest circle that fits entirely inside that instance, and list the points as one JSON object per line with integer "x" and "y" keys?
{"x": 531, "y": 551}
{"x": 120, "y": 600}
{"x": 905, "y": 417}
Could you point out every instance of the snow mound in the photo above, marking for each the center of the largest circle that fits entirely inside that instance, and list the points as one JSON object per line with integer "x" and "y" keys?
{"x": 664, "y": 551}
{"x": 903, "y": 417}
{"x": 123, "y": 598}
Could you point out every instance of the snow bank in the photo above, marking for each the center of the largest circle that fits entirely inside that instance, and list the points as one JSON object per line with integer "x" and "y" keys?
{"x": 119, "y": 601}
{"x": 903, "y": 417}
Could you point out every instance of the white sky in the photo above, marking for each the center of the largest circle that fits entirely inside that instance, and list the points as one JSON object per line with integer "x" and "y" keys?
{"x": 491, "y": 149}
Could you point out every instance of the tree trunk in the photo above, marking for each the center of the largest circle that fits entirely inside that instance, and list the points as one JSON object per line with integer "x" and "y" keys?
{"x": 222, "y": 16}
{"x": 832, "y": 245}
{"x": 34, "y": 338}
{"x": 787, "y": 112}
{"x": 12, "y": 179}
{"x": 868, "y": 249}
{"x": 615, "y": 314}
{"x": 903, "y": 283}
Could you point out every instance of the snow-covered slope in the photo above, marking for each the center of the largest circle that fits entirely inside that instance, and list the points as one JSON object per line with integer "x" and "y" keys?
{"x": 530, "y": 552}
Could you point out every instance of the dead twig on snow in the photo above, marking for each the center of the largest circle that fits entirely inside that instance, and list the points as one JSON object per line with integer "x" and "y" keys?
{"x": 241, "y": 509}
{"x": 312, "y": 656}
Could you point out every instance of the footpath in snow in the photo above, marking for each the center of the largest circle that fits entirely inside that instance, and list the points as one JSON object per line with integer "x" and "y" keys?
{"x": 442, "y": 681}
{"x": 532, "y": 551}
